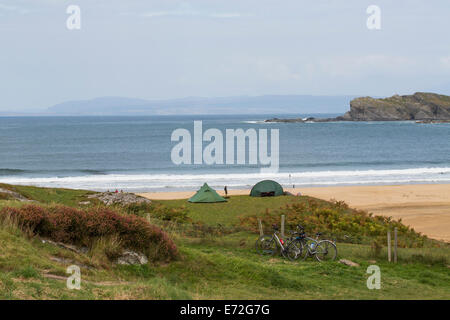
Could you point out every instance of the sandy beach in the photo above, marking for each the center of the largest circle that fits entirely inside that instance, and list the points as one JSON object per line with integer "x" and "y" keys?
{"x": 425, "y": 207}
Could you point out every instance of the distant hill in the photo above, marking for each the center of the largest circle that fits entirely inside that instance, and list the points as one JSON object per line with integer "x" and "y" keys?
{"x": 267, "y": 104}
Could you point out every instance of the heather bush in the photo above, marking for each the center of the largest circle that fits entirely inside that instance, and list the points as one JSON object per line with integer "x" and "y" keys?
{"x": 84, "y": 227}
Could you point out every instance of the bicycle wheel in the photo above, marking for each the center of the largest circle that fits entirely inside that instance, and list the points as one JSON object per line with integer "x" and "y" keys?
{"x": 326, "y": 251}
{"x": 309, "y": 247}
{"x": 294, "y": 250}
{"x": 264, "y": 245}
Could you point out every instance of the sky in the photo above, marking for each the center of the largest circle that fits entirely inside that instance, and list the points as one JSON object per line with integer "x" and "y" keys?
{"x": 162, "y": 49}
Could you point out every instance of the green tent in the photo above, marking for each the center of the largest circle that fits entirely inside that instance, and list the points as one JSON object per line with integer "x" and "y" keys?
{"x": 206, "y": 195}
{"x": 267, "y": 188}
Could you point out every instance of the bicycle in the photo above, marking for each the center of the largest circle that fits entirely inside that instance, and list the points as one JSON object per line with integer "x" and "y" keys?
{"x": 322, "y": 250}
{"x": 270, "y": 244}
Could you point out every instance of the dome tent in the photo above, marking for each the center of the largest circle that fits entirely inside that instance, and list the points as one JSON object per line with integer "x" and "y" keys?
{"x": 267, "y": 188}
{"x": 206, "y": 194}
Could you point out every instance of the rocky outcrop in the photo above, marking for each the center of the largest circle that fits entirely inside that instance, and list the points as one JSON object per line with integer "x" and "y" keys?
{"x": 132, "y": 258}
{"x": 303, "y": 120}
{"x": 70, "y": 247}
{"x": 292, "y": 120}
{"x": 127, "y": 257}
{"x": 433, "y": 121}
{"x": 421, "y": 107}
{"x": 11, "y": 195}
{"x": 120, "y": 198}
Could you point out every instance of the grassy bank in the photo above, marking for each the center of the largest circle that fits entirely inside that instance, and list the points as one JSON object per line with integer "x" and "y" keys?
{"x": 212, "y": 265}
{"x": 228, "y": 213}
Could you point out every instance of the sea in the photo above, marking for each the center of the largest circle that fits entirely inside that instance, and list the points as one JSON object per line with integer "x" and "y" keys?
{"x": 134, "y": 153}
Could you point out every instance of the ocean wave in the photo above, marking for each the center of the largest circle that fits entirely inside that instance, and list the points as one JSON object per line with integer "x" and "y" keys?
{"x": 14, "y": 172}
{"x": 167, "y": 182}
{"x": 258, "y": 122}
{"x": 7, "y": 172}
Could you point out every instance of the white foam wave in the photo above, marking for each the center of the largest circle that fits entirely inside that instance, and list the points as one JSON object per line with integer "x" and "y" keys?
{"x": 167, "y": 182}
{"x": 255, "y": 122}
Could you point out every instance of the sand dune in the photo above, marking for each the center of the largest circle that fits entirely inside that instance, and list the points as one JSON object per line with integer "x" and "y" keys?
{"x": 424, "y": 207}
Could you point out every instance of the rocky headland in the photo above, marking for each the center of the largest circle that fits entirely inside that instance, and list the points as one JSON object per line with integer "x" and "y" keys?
{"x": 420, "y": 107}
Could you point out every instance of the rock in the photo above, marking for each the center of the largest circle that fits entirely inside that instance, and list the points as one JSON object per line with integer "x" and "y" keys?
{"x": 81, "y": 250}
{"x": 348, "y": 263}
{"x": 285, "y": 120}
{"x": 121, "y": 198}
{"x": 67, "y": 261}
{"x": 131, "y": 258}
{"x": 423, "y": 107}
{"x": 419, "y": 106}
{"x": 11, "y": 195}
{"x": 84, "y": 203}
{"x": 62, "y": 260}
{"x": 433, "y": 121}
{"x": 127, "y": 257}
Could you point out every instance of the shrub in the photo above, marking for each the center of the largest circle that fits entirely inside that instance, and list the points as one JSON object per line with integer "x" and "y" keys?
{"x": 105, "y": 249}
{"x": 138, "y": 209}
{"x": 5, "y": 196}
{"x": 170, "y": 214}
{"x": 69, "y": 225}
{"x": 336, "y": 220}
{"x": 160, "y": 212}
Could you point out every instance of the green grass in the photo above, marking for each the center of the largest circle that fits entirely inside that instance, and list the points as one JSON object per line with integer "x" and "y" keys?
{"x": 213, "y": 267}
{"x": 228, "y": 213}
{"x": 228, "y": 273}
{"x": 67, "y": 197}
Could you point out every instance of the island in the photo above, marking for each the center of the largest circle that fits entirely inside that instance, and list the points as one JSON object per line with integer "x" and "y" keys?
{"x": 422, "y": 107}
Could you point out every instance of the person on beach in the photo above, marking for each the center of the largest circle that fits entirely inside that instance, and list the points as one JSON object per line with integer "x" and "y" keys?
{"x": 226, "y": 191}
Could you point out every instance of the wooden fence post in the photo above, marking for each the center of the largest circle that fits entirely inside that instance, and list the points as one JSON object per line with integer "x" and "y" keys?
{"x": 395, "y": 245}
{"x": 260, "y": 228}
{"x": 282, "y": 226}
{"x": 389, "y": 245}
